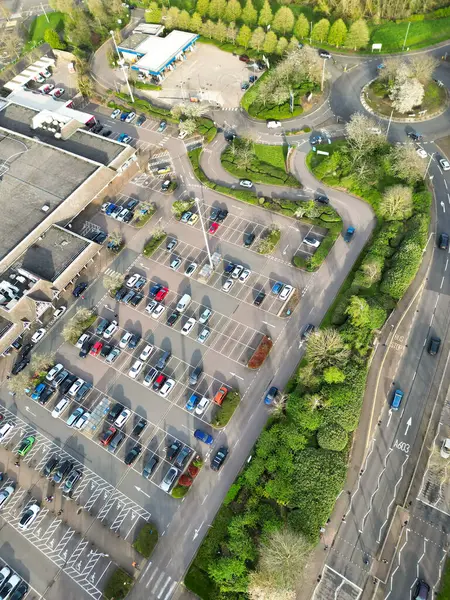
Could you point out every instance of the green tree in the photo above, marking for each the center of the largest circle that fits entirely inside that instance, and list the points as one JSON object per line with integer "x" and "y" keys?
{"x": 196, "y": 23}
{"x": 52, "y": 38}
{"x": 283, "y": 21}
{"x": 265, "y": 14}
{"x": 220, "y": 31}
{"x": 320, "y": 30}
{"x": 233, "y": 11}
{"x": 208, "y": 29}
{"x": 333, "y": 375}
{"x": 396, "y": 203}
{"x": 184, "y": 21}
{"x": 153, "y": 13}
{"x": 202, "y": 7}
{"x": 217, "y": 9}
{"x": 257, "y": 39}
{"x": 326, "y": 348}
{"x": 172, "y": 17}
{"x": 358, "y": 310}
{"x": 281, "y": 46}
{"x": 301, "y": 29}
{"x": 244, "y": 35}
{"x": 270, "y": 42}
{"x": 358, "y": 35}
{"x": 232, "y": 33}
{"x": 293, "y": 44}
{"x": 79, "y": 31}
{"x": 249, "y": 14}
{"x": 337, "y": 33}
{"x": 332, "y": 436}
{"x": 229, "y": 574}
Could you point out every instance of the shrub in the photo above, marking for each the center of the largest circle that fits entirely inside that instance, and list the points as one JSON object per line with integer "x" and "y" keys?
{"x": 181, "y": 206}
{"x": 118, "y": 585}
{"x": 269, "y": 242}
{"x": 78, "y": 324}
{"x": 146, "y": 540}
{"x": 332, "y": 436}
{"x": 185, "y": 480}
{"x": 261, "y": 353}
{"x": 154, "y": 242}
{"x": 179, "y": 491}
{"x": 193, "y": 471}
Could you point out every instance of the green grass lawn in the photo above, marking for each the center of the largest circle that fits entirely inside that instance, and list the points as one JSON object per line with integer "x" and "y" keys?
{"x": 378, "y": 99}
{"x": 273, "y": 155}
{"x": 40, "y": 24}
{"x": 421, "y": 34}
{"x": 444, "y": 590}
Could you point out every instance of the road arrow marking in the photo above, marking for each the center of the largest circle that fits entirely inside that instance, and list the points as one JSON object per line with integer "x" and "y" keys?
{"x": 443, "y": 205}
{"x": 390, "y": 417}
{"x": 142, "y": 491}
{"x": 408, "y": 425}
{"x": 29, "y": 411}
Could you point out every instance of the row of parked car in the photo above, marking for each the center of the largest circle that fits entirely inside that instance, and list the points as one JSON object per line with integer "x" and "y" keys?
{"x": 12, "y": 586}
{"x": 123, "y": 213}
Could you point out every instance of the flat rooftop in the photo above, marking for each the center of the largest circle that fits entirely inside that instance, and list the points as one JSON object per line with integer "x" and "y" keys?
{"x": 131, "y": 43}
{"x": 159, "y": 52}
{"x": 52, "y": 253}
{"x": 5, "y": 325}
{"x": 81, "y": 143}
{"x": 32, "y": 176}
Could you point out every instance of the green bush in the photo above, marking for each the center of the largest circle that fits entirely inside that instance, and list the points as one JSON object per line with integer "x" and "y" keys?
{"x": 146, "y": 540}
{"x": 142, "y": 85}
{"x": 179, "y": 491}
{"x": 118, "y": 585}
{"x": 198, "y": 582}
{"x": 154, "y": 243}
{"x": 332, "y": 436}
{"x": 226, "y": 411}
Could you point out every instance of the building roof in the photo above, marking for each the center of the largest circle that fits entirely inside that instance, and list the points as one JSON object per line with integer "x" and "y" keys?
{"x": 39, "y": 177}
{"x": 149, "y": 28}
{"x": 131, "y": 43}
{"x": 160, "y": 52}
{"x": 52, "y": 253}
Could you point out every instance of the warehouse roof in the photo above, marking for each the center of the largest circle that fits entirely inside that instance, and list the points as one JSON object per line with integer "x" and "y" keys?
{"x": 159, "y": 52}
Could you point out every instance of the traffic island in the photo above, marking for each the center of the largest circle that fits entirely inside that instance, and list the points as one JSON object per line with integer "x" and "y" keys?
{"x": 227, "y": 408}
{"x": 158, "y": 236}
{"x": 187, "y": 478}
{"x": 118, "y": 585}
{"x": 261, "y": 353}
{"x": 146, "y": 540}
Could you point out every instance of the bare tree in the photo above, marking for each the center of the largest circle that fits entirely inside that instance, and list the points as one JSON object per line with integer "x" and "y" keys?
{"x": 244, "y": 157}
{"x": 188, "y": 126}
{"x": 19, "y": 383}
{"x": 372, "y": 271}
{"x": 42, "y": 362}
{"x": 406, "y": 95}
{"x": 406, "y": 163}
{"x": 326, "y": 348}
{"x": 262, "y": 587}
{"x": 389, "y": 71}
{"x": 396, "y": 203}
{"x": 77, "y": 324}
{"x": 112, "y": 281}
{"x": 116, "y": 238}
{"x": 362, "y": 136}
{"x": 423, "y": 66}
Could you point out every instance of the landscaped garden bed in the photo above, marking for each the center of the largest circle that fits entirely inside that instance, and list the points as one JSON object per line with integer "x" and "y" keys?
{"x": 261, "y": 353}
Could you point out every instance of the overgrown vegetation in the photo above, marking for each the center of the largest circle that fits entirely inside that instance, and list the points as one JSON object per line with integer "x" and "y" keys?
{"x": 144, "y": 214}
{"x": 226, "y": 411}
{"x": 269, "y": 240}
{"x": 444, "y": 588}
{"x": 300, "y": 460}
{"x": 78, "y": 324}
{"x": 258, "y": 162}
{"x": 158, "y": 236}
{"x": 118, "y": 585}
{"x": 146, "y": 540}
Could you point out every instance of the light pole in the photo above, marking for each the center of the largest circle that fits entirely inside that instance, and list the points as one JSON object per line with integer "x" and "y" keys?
{"x": 406, "y": 36}
{"x": 389, "y": 124}
{"x": 428, "y": 165}
{"x": 197, "y": 202}
{"x": 323, "y": 75}
{"x": 121, "y": 63}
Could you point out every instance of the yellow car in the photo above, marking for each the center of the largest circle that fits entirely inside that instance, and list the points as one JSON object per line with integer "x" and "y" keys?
{"x": 193, "y": 219}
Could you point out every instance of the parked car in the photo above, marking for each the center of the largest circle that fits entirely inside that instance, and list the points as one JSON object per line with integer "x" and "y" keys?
{"x": 123, "y": 417}
{"x": 220, "y": 395}
{"x": 79, "y": 289}
{"x": 67, "y": 383}
{"x": 161, "y": 294}
{"x": 172, "y": 450}
{"x": 219, "y": 458}
{"x": 115, "y": 113}
{"x": 169, "y": 479}
{"x": 149, "y": 466}
{"x": 311, "y": 241}
{"x": 62, "y": 471}
{"x": 162, "y": 126}
{"x": 195, "y": 375}
{"x": 324, "y": 53}
{"x": 135, "y": 369}
{"x": 167, "y": 388}
{"x": 29, "y": 516}
{"x": 110, "y": 330}
{"x": 50, "y": 466}
{"x": 286, "y": 293}
{"x": 71, "y": 481}
{"x": 5, "y": 494}
{"x": 205, "y": 316}
{"x": 112, "y": 356}
{"x": 107, "y": 435}
{"x": 203, "y": 335}
{"x": 182, "y": 457}
{"x": 130, "y": 117}
{"x": 202, "y": 406}
{"x": 132, "y": 455}
{"x": 60, "y": 407}
{"x": 259, "y": 298}
{"x": 38, "y": 335}
{"x": 139, "y": 428}
{"x": 188, "y": 326}
{"x": 245, "y": 183}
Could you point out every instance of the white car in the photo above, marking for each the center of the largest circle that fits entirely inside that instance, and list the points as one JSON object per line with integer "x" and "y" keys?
{"x": 131, "y": 116}
{"x": 203, "y": 335}
{"x": 246, "y": 183}
{"x": 29, "y": 516}
{"x": 445, "y": 448}
{"x": 123, "y": 213}
{"x": 54, "y": 372}
{"x": 166, "y": 388}
{"x": 5, "y": 429}
{"x": 421, "y": 152}
{"x": 190, "y": 269}
{"x": 169, "y": 479}
{"x": 158, "y": 311}
{"x": 38, "y": 335}
{"x": 175, "y": 263}
{"x": 39, "y": 78}
{"x": 125, "y": 339}
{"x": 46, "y": 88}
{"x": 84, "y": 337}
{"x": 110, "y": 330}
{"x": 151, "y": 306}
{"x": 201, "y": 406}
{"x": 445, "y": 165}
{"x": 45, "y": 73}
{"x": 122, "y": 418}
{"x": 205, "y": 316}
{"x": 188, "y": 326}
{"x": 75, "y": 387}
{"x": 286, "y": 292}
{"x": 135, "y": 369}
{"x": 57, "y": 92}
{"x": 311, "y": 241}
{"x": 182, "y": 135}
{"x": 60, "y": 407}
{"x": 227, "y": 285}
{"x": 115, "y": 113}
{"x": 273, "y": 124}
{"x": 59, "y": 312}
{"x": 244, "y": 275}
{"x": 132, "y": 280}
{"x": 5, "y": 495}
{"x": 146, "y": 352}
{"x": 237, "y": 271}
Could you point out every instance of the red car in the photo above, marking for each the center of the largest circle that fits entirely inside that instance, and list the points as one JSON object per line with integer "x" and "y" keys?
{"x": 214, "y": 227}
{"x": 96, "y": 349}
{"x": 220, "y": 395}
{"x": 107, "y": 436}
{"x": 161, "y": 294}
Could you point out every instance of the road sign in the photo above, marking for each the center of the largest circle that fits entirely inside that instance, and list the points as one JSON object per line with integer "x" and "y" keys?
{"x": 376, "y": 47}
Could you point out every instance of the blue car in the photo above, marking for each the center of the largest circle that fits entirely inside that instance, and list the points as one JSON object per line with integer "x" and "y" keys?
{"x": 203, "y": 437}
{"x": 349, "y": 234}
{"x": 192, "y": 402}
{"x": 123, "y": 137}
{"x": 154, "y": 290}
{"x": 131, "y": 204}
{"x": 79, "y": 289}
{"x": 276, "y": 289}
{"x": 110, "y": 209}
{"x": 397, "y": 399}
{"x": 271, "y": 395}
{"x": 38, "y": 391}
{"x": 123, "y": 116}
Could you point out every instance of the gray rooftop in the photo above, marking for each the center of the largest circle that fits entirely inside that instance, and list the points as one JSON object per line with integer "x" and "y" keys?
{"x": 130, "y": 43}
{"x": 52, "y": 253}
{"x": 5, "y": 325}
{"x": 81, "y": 143}
{"x": 32, "y": 176}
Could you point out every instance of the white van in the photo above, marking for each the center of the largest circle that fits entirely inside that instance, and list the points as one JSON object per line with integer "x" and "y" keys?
{"x": 5, "y": 429}
{"x": 59, "y": 408}
{"x": 184, "y": 303}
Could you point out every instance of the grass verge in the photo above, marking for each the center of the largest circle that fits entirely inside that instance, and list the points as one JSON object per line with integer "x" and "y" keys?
{"x": 229, "y": 405}
{"x": 154, "y": 243}
{"x": 146, "y": 540}
{"x": 143, "y": 218}
{"x": 444, "y": 589}
{"x": 118, "y": 585}
{"x": 377, "y": 97}
{"x": 40, "y": 25}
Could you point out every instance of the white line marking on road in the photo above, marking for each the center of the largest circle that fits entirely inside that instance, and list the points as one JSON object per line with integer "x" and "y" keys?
{"x": 408, "y": 425}
{"x": 171, "y": 589}
{"x": 147, "y": 568}
{"x": 442, "y": 282}
{"x": 443, "y": 205}
{"x": 423, "y": 554}
{"x": 398, "y": 566}
{"x": 268, "y": 324}
{"x": 157, "y": 582}
{"x": 237, "y": 376}
{"x": 204, "y": 500}
{"x": 446, "y": 265}
{"x": 169, "y": 579}
{"x": 445, "y": 183}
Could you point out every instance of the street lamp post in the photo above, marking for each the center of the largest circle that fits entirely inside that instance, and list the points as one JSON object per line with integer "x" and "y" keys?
{"x": 323, "y": 75}
{"x": 428, "y": 165}
{"x": 389, "y": 124}
{"x": 121, "y": 63}
{"x": 406, "y": 36}
{"x": 197, "y": 201}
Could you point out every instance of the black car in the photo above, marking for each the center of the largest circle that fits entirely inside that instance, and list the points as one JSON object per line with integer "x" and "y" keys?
{"x": 443, "y": 241}
{"x": 249, "y": 238}
{"x": 173, "y": 318}
{"x": 50, "y": 466}
{"x": 100, "y": 237}
{"x": 149, "y": 467}
{"x": 106, "y": 349}
{"x": 131, "y": 204}
{"x": 309, "y": 329}
{"x": 416, "y": 137}
{"x": 139, "y": 428}
{"x": 194, "y": 376}
{"x": 82, "y": 392}
{"x": 322, "y": 199}
{"x": 214, "y": 214}
{"x": 20, "y": 592}
{"x": 62, "y": 471}
{"x": 121, "y": 293}
{"x": 136, "y": 299}
{"x": 172, "y": 450}
{"x": 183, "y": 457}
{"x": 259, "y": 298}
{"x": 229, "y": 136}
{"x": 46, "y": 395}
{"x": 421, "y": 591}
{"x": 20, "y": 365}
{"x": 26, "y": 349}
{"x": 229, "y": 268}
{"x": 134, "y": 341}
{"x": 67, "y": 384}
{"x": 107, "y": 133}
{"x": 252, "y": 78}
{"x": 127, "y": 218}
{"x": 97, "y": 128}
{"x": 79, "y": 289}
{"x": 132, "y": 455}
{"x": 84, "y": 350}
{"x": 114, "y": 412}
{"x": 129, "y": 297}
{"x": 17, "y": 344}
{"x": 223, "y": 214}
{"x": 72, "y": 480}
{"x": 154, "y": 290}
{"x": 434, "y": 345}
{"x": 60, "y": 377}
{"x": 165, "y": 185}
{"x": 219, "y": 458}
{"x": 140, "y": 120}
